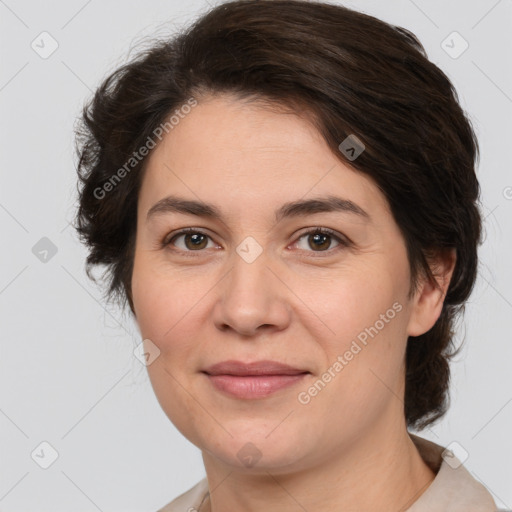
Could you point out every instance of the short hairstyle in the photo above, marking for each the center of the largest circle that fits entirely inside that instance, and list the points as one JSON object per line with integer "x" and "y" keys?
{"x": 349, "y": 74}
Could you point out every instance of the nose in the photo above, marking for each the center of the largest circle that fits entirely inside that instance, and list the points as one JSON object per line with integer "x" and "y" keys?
{"x": 252, "y": 298}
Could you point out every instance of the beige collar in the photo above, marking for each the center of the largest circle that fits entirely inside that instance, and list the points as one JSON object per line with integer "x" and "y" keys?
{"x": 453, "y": 489}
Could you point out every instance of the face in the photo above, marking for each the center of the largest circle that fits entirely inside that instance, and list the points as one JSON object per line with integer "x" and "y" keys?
{"x": 319, "y": 286}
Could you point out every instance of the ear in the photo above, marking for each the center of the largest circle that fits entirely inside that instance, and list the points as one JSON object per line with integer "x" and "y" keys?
{"x": 427, "y": 303}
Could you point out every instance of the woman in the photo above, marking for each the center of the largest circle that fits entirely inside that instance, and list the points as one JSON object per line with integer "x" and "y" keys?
{"x": 285, "y": 196}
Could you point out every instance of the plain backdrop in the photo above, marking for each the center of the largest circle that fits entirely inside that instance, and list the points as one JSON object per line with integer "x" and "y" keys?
{"x": 68, "y": 375}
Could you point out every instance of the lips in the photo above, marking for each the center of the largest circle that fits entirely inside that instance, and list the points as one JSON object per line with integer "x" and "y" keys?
{"x": 256, "y": 368}
{"x": 253, "y": 380}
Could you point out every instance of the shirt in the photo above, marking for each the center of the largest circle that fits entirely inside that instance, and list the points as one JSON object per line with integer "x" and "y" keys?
{"x": 453, "y": 489}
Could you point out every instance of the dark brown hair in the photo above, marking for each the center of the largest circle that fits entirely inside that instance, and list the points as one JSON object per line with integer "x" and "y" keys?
{"x": 351, "y": 74}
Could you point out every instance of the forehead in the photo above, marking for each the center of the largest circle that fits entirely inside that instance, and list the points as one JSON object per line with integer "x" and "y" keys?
{"x": 230, "y": 152}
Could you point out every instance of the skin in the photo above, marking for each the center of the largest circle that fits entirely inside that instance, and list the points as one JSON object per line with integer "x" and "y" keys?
{"x": 295, "y": 304}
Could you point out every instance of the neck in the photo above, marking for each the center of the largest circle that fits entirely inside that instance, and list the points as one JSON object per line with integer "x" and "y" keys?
{"x": 380, "y": 471}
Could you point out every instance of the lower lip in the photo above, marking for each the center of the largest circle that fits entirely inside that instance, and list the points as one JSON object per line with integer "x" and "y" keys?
{"x": 253, "y": 386}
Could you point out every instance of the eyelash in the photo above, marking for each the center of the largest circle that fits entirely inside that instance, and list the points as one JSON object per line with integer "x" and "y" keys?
{"x": 343, "y": 242}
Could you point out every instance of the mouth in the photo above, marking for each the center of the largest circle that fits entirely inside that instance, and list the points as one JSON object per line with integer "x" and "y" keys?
{"x": 253, "y": 380}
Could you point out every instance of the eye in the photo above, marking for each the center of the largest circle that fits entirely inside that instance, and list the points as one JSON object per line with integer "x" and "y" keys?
{"x": 192, "y": 240}
{"x": 320, "y": 239}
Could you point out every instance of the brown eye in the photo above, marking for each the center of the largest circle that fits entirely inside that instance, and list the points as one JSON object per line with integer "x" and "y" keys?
{"x": 320, "y": 240}
{"x": 191, "y": 240}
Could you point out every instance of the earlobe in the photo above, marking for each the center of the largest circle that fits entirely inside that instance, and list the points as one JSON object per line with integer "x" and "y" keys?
{"x": 428, "y": 301}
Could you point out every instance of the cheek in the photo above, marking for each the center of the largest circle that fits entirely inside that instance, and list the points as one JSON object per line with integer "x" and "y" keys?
{"x": 164, "y": 301}
{"x": 166, "y": 315}
{"x": 364, "y": 348}
{"x": 350, "y": 302}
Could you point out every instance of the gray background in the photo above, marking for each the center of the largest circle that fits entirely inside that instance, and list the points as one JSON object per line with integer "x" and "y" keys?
{"x": 68, "y": 375}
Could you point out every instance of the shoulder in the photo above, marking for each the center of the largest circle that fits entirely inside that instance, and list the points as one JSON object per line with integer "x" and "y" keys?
{"x": 454, "y": 488}
{"x": 189, "y": 500}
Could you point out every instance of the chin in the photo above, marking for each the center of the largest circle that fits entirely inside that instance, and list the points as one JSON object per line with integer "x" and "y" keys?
{"x": 257, "y": 446}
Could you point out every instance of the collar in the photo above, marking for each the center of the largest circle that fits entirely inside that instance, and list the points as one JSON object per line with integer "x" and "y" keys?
{"x": 453, "y": 489}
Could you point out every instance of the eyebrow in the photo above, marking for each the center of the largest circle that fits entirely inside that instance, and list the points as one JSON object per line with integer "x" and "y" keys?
{"x": 300, "y": 208}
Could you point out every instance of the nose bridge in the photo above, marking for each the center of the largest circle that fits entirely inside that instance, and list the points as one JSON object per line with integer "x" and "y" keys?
{"x": 251, "y": 295}
{"x": 250, "y": 274}
{"x": 249, "y": 284}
